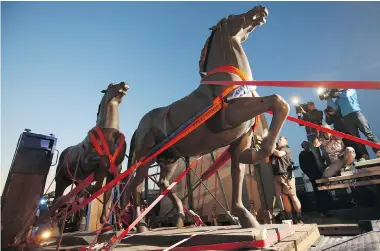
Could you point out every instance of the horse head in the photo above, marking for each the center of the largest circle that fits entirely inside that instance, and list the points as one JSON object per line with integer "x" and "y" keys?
{"x": 227, "y": 35}
{"x": 115, "y": 92}
{"x": 240, "y": 26}
{"x": 112, "y": 97}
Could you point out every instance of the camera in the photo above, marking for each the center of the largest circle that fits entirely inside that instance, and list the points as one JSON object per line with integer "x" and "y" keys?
{"x": 304, "y": 107}
{"x": 327, "y": 93}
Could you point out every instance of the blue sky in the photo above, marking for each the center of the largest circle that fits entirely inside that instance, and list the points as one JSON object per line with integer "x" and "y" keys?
{"x": 58, "y": 56}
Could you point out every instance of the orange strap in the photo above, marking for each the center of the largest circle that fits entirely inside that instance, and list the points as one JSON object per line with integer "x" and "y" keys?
{"x": 227, "y": 68}
{"x": 106, "y": 150}
{"x": 236, "y": 71}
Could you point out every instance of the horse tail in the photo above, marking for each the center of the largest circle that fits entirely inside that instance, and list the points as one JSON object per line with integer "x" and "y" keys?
{"x": 131, "y": 156}
{"x": 131, "y": 160}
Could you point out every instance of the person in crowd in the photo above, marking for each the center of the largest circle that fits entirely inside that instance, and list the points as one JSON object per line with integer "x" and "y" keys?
{"x": 335, "y": 118}
{"x": 314, "y": 116}
{"x": 340, "y": 156}
{"x": 309, "y": 167}
{"x": 284, "y": 182}
{"x": 353, "y": 118}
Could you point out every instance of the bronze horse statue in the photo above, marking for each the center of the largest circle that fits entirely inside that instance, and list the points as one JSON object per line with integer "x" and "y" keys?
{"x": 230, "y": 126}
{"x": 79, "y": 161}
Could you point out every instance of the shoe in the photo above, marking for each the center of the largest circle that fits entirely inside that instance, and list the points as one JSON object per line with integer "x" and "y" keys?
{"x": 347, "y": 168}
{"x": 378, "y": 154}
{"x": 365, "y": 157}
{"x": 298, "y": 221}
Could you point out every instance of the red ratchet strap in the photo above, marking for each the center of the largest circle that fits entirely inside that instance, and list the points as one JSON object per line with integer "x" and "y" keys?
{"x": 333, "y": 132}
{"x": 68, "y": 169}
{"x": 196, "y": 234}
{"x": 364, "y": 85}
{"x": 195, "y": 216}
{"x": 217, "y": 104}
{"x": 106, "y": 150}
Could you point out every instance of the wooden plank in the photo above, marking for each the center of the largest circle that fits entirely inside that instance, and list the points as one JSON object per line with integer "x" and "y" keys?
{"x": 359, "y": 173}
{"x": 367, "y": 163}
{"x": 96, "y": 211}
{"x": 355, "y": 184}
{"x": 301, "y": 240}
{"x": 235, "y": 237}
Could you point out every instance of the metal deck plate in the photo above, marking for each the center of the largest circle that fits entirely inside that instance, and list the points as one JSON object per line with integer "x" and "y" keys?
{"x": 365, "y": 242}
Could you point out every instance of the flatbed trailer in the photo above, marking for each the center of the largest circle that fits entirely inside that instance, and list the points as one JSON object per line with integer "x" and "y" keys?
{"x": 280, "y": 237}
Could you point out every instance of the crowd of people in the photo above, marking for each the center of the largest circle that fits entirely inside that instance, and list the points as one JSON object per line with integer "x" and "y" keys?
{"x": 324, "y": 154}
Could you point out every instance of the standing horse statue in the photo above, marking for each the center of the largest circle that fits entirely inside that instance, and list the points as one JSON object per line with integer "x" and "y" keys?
{"x": 101, "y": 155}
{"x": 222, "y": 59}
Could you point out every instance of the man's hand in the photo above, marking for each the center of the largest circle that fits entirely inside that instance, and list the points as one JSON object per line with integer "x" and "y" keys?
{"x": 279, "y": 153}
{"x": 316, "y": 142}
{"x": 299, "y": 114}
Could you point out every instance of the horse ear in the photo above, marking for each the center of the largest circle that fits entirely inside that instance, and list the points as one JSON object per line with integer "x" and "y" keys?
{"x": 103, "y": 91}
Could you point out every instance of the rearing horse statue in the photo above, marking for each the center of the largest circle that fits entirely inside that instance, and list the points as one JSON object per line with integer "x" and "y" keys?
{"x": 224, "y": 59}
{"x": 90, "y": 156}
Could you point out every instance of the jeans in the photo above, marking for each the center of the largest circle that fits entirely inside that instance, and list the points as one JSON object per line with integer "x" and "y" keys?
{"x": 356, "y": 120}
{"x": 316, "y": 151}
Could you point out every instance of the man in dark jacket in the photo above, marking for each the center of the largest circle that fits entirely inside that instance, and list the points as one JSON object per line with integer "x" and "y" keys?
{"x": 309, "y": 167}
{"x": 314, "y": 116}
{"x": 284, "y": 182}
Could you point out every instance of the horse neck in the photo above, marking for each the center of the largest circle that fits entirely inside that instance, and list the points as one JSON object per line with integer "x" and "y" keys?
{"x": 226, "y": 51}
{"x": 109, "y": 116}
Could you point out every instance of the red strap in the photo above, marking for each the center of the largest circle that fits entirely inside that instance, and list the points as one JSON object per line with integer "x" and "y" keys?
{"x": 103, "y": 141}
{"x": 68, "y": 169}
{"x": 106, "y": 148}
{"x": 227, "y": 68}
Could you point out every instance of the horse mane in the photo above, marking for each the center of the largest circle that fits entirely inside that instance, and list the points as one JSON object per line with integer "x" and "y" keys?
{"x": 97, "y": 114}
{"x": 100, "y": 105}
{"x": 205, "y": 50}
{"x": 202, "y": 60}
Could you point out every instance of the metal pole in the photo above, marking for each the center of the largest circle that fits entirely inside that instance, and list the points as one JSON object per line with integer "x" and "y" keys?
{"x": 146, "y": 190}
{"x": 220, "y": 184}
{"x": 188, "y": 183}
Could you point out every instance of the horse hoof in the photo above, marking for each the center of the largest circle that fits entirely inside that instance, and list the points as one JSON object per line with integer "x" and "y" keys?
{"x": 102, "y": 219}
{"x": 82, "y": 224}
{"x": 246, "y": 219}
{"x": 141, "y": 228}
{"x": 180, "y": 221}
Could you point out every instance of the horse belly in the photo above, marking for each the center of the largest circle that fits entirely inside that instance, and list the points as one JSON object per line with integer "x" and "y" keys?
{"x": 202, "y": 141}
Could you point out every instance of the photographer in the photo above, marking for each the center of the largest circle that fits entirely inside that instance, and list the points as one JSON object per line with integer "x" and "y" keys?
{"x": 335, "y": 117}
{"x": 284, "y": 182}
{"x": 314, "y": 116}
{"x": 340, "y": 156}
{"x": 353, "y": 119}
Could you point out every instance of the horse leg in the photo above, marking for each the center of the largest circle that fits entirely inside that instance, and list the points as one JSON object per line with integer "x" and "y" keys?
{"x": 166, "y": 173}
{"x": 60, "y": 187}
{"x": 243, "y": 109}
{"x": 100, "y": 173}
{"x": 137, "y": 185}
{"x": 82, "y": 214}
{"x": 246, "y": 219}
{"x": 106, "y": 198}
